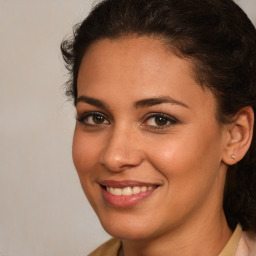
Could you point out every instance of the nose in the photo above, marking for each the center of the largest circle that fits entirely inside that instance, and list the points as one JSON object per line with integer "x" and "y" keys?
{"x": 122, "y": 150}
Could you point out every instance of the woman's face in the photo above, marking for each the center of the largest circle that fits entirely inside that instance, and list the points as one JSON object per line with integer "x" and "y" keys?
{"x": 147, "y": 147}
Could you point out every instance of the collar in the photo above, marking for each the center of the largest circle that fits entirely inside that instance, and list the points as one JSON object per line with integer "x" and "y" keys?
{"x": 231, "y": 246}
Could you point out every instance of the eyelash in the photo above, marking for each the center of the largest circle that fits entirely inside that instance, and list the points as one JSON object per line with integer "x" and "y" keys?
{"x": 82, "y": 118}
{"x": 170, "y": 120}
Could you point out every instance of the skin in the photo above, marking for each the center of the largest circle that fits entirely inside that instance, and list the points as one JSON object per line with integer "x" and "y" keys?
{"x": 184, "y": 215}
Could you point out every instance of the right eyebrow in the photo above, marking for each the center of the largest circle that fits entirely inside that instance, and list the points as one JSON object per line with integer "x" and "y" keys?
{"x": 91, "y": 101}
{"x": 148, "y": 102}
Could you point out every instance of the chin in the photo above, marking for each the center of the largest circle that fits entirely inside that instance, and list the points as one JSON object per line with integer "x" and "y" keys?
{"x": 123, "y": 233}
{"x": 129, "y": 228}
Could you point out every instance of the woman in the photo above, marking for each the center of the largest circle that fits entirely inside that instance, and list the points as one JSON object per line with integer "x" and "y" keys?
{"x": 164, "y": 145}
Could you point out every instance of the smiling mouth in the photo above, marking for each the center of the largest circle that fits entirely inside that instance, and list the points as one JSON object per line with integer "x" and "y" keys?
{"x": 128, "y": 191}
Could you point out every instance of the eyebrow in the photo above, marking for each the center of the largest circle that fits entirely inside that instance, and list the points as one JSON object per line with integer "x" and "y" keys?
{"x": 91, "y": 101}
{"x": 158, "y": 100}
{"x": 138, "y": 104}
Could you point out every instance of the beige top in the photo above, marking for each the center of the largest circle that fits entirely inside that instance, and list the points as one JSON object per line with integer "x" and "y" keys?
{"x": 240, "y": 244}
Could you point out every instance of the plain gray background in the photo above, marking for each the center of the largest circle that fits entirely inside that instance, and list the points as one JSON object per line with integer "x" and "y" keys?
{"x": 43, "y": 211}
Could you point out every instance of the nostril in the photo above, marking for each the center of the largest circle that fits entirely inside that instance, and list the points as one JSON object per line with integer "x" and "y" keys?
{"x": 121, "y": 152}
{"x": 120, "y": 162}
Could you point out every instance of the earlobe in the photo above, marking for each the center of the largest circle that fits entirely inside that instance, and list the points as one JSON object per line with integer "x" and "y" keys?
{"x": 239, "y": 137}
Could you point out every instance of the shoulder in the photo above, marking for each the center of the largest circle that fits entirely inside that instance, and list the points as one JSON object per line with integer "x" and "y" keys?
{"x": 247, "y": 244}
{"x": 109, "y": 248}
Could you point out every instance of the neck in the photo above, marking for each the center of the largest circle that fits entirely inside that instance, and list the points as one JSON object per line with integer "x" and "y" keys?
{"x": 201, "y": 237}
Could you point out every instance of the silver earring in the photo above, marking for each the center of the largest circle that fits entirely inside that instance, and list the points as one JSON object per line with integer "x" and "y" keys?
{"x": 233, "y": 156}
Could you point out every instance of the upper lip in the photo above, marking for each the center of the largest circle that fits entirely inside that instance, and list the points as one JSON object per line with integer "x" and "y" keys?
{"x": 126, "y": 183}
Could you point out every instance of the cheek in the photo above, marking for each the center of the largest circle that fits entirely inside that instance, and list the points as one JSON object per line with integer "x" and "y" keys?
{"x": 84, "y": 154}
{"x": 190, "y": 170}
{"x": 85, "y": 158}
{"x": 187, "y": 158}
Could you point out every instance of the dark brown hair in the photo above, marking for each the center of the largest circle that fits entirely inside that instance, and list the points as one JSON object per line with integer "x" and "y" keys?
{"x": 218, "y": 37}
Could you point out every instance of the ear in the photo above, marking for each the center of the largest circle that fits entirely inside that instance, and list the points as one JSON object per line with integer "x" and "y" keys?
{"x": 239, "y": 136}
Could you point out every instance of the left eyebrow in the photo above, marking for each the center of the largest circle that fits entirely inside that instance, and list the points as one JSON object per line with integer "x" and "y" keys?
{"x": 91, "y": 101}
{"x": 158, "y": 100}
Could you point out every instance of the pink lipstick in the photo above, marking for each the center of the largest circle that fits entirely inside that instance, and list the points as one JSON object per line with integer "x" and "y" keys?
{"x": 126, "y": 193}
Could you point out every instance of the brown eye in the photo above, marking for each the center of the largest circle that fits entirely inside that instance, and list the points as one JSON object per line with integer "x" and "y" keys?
{"x": 160, "y": 121}
{"x": 157, "y": 121}
{"x": 93, "y": 119}
{"x": 97, "y": 119}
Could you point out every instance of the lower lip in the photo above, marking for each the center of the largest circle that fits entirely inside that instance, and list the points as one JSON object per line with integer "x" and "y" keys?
{"x": 126, "y": 201}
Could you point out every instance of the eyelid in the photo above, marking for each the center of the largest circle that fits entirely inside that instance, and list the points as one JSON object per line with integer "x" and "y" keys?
{"x": 171, "y": 119}
{"x": 81, "y": 117}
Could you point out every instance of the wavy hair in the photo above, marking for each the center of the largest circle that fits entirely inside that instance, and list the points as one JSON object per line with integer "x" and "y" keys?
{"x": 219, "y": 39}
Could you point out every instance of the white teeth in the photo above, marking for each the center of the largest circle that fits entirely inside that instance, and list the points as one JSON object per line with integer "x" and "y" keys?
{"x": 135, "y": 190}
{"x": 128, "y": 191}
{"x": 117, "y": 191}
{"x": 143, "y": 189}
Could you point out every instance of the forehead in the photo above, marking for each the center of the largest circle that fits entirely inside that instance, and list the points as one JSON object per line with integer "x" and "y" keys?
{"x": 138, "y": 67}
{"x": 146, "y": 56}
